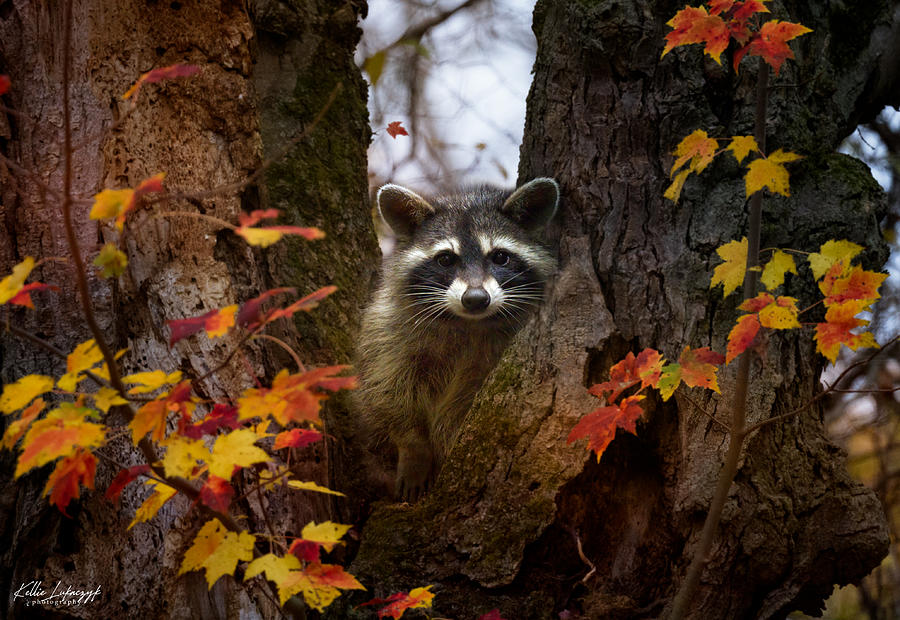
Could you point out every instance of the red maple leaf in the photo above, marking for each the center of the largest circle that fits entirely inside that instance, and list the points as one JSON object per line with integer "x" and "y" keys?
{"x": 600, "y": 425}
{"x": 70, "y": 473}
{"x": 296, "y": 438}
{"x": 23, "y": 297}
{"x": 122, "y": 479}
{"x": 217, "y": 493}
{"x": 770, "y": 43}
{"x": 222, "y": 416}
{"x": 645, "y": 368}
{"x": 306, "y": 550}
{"x": 741, "y": 336}
{"x": 395, "y": 129}
{"x": 249, "y": 315}
{"x": 160, "y": 74}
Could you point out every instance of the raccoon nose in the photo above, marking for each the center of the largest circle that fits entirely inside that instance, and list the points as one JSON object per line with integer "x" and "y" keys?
{"x": 475, "y": 299}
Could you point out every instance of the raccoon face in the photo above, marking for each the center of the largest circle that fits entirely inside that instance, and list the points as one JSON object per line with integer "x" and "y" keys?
{"x": 471, "y": 257}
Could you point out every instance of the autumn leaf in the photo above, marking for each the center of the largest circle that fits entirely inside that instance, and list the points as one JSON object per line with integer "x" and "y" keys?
{"x": 151, "y": 417}
{"x": 696, "y": 367}
{"x": 741, "y": 146}
{"x": 122, "y": 479}
{"x": 305, "y": 550}
{"x": 837, "y": 330}
{"x": 62, "y": 431}
{"x": 250, "y": 313}
{"x": 148, "y": 509}
{"x": 216, "y": 550}
{"x": 293, "y": 398}
{"x": 5, "y": 83}
{"x": 266, "y": 236}
{"x": 117, "y": 203}
{"x": 296, "y": 438}
{"x": 13, "y": 283}
{"x": 600, "y": 425}
{"x": 770, "y": 43}
{"x": 23, "y": 297}
{"x": 306, "y": 304}
{"x": 217, "y": 493}
{"x": 151, "y": 381}
{"x": 775, "y": 313}
{"x": 111, "y": 261}
{"x": 19, "y": 394}
{"x": 769, "y": 172}
{"x": 841, "y": 284}
{"x": 312, "y": 486}
{"x": 645, "y": 368}
{"x": 493, "y": 614}
{"x": 673, "y": 192}
{"x": 70, "y": 474}
{"x": 695, "y": 25}
{"x": 107, "y": 397}
{"x": 397, "y": 604}
{"x": 235, "y": 449}
{"x": 215, "y": 322}
{"x": 319, "y": 583}
{"x": 741, "y": 336}
{"x": 832, "y": 252}
{"x": 395, "y": 128}
{"x": 17, "y": 428}
{"x": 698, "y": 148}
{"x": 182, "y": 454}
{"x": 277, "y": 569}
{"x": 85, "y": 356}
{"x": 326, "y": 534}
{"x": 773, "y": 273}
{"x": 730, "y": 274}
{"x": 221, "y": 416}
{"x": 160, "y": 74}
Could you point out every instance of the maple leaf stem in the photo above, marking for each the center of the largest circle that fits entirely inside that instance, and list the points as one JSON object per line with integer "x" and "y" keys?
{"x": 286, "y": 347}
{"x": 198, "y": 216}
{"x": 702, "y": 410}
{"x": 738, "y": 432}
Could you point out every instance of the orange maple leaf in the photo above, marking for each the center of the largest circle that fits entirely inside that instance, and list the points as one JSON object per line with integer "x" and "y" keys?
{"x": 696, "y": 367}
{"x": 695, "y": 25}
{"x": 215, "y": 322}
{"x": 396, "y": 128}
{"x": 152, "y": 416}
{"x": 70, "y": 473}
{"x": 397, "y": 604}
{"x": 600, "y": 425}
{"x": 842, "y": 284}
{"x": 840, "y": 319}
{"x": 217, "y": 493}
{"x": 59, "y": 434}
{"x": 770, "y": 43}
{"x": 18, "y": 427}
{"x": 266, "y": 236}
{"x": 293, "y": 398}
{"x": 645, "y": 369}
{"x": 741, "y": 336}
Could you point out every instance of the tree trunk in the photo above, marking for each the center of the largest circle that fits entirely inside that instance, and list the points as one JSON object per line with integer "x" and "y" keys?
{"x": 515, "y": 507}
{"x": 262, "y": 82}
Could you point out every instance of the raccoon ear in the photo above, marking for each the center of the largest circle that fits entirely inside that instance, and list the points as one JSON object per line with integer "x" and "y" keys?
{"x": 533, "y": 205}
{"x": 402, "y": 209}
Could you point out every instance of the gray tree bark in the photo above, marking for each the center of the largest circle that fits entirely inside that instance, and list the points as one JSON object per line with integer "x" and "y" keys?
{"x": 262, "y": 82}
{"x": 515, "y": 506}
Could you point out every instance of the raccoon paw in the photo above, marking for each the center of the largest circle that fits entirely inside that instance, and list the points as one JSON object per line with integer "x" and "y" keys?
{"x": 415, "y": 474}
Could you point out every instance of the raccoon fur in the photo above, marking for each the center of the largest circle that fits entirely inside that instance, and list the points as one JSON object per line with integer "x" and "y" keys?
{"x": 466, "y": 272}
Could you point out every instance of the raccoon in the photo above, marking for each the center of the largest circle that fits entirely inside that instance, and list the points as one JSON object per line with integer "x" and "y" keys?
{"x": 465, "y": 274}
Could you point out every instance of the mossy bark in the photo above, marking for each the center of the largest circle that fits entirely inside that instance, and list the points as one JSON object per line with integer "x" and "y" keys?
{"x": 515, "y": 505}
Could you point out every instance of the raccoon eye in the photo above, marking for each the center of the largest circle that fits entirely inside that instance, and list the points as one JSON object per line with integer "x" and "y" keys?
{"x": 500, "y": 258}
{"x": 445, "y": 259}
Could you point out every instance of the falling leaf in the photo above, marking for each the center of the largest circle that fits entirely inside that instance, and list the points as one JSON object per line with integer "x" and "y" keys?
{"x": 395, "y": 129}
{"x": 160, "y": 74}
{"x": 730, "y": 274}
{"x": 741, "y": 336}
{"x": 374, "y": 66}
{"x": 217, "y": 551}
{"x": 830, "y": 253}
{"x": 778, "y": 265}
{"x": 19, "y": 394}
{"x": 770, "y": 43}
{"x": 70, "y": 474}
{"x": 770, "y": 172}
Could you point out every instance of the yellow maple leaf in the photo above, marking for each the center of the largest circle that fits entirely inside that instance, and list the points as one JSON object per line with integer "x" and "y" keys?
{"x": 778, "y": 265}
{"x": 13, "y": 283}
{"x": 831, "y": 252}
{"x": 112, "y": 203}
{"x": 111, "y": 260}
{"x": 147, "y": 510}
{"x": 770, "y": 172}
{"x": 277, "y": 569}
{"x": 17, "y": 395}
{"x": 82, "y": 358}
{"x": 673, "y": 192}
{"x": 326, "y": 534}
{"x": 741, "y": 146}
{"x": 217, "y": 550}
{"x": 151, "y": 380}
{"x": 220, "y": 322}
{"x": 261, "y": 237}
{"x": 235, "y": 449}
{"x": 312, "y": 486}
{"x": 780, "y": 314}
{"x": 698, "y": 148}
{"x": 730, "y": 274}
{"x": 107, "y": 397}
{"x": 182, "y": 455}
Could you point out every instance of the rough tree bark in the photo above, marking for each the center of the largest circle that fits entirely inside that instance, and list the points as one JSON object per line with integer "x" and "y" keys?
{"x": 503, "y": 527}
{"x": 267, "y": 70}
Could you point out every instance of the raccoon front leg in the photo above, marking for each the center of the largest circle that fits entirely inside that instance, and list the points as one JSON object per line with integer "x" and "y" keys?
{"x": 415, "y": 467}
